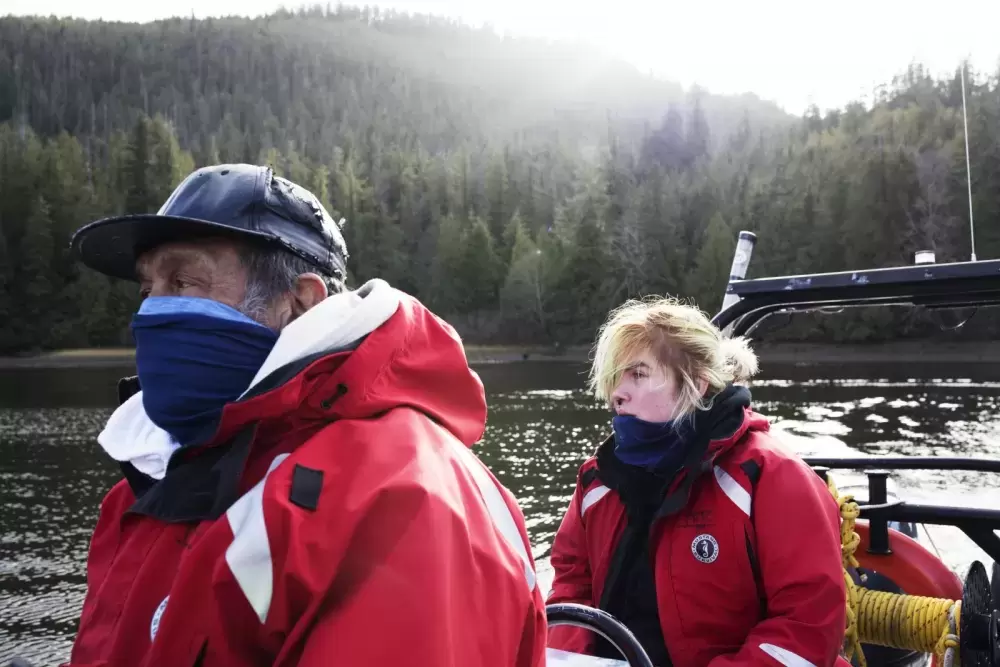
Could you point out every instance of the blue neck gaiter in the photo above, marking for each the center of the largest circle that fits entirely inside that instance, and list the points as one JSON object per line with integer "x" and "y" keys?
{"x": 650, "y": 445}
{"x": 193, "y": 356}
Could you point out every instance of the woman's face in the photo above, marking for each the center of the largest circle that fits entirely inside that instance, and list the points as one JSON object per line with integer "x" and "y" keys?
{"x": 646, "y": 390}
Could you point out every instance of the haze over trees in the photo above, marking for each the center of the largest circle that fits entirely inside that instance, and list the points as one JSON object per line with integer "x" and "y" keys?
{"x": 519, "y": 188}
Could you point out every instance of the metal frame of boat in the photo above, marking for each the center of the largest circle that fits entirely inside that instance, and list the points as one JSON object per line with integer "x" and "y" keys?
{"x": 934, "y": 286}
{"x": 953, "y": 285}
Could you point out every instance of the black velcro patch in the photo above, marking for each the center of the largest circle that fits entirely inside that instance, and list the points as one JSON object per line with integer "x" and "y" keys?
{"x": 306, "y": 487}
{"x": 127, "y": 388}
{"x": 752, "y": 470}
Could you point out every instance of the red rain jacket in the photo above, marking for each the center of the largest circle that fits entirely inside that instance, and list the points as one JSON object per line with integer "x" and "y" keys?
{"x": 709, "y": 604}
{"x": 346, "y": 522}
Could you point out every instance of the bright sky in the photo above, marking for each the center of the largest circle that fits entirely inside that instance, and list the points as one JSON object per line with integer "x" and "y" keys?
{"x": 795, "y": 52}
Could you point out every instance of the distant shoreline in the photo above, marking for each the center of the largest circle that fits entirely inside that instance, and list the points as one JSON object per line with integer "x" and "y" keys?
{"x": 782, "y": 353}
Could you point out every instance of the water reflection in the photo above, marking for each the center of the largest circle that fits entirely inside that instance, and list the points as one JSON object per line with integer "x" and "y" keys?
{"x": 51, "y": 484}
{"x": 541, "y": 427}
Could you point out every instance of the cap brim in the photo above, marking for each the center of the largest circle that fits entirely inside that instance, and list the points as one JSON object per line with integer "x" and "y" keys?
{"x": 111, "y": 246}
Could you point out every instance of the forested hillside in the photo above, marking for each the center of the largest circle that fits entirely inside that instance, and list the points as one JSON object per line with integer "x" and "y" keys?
{"x": 519, "y": 188}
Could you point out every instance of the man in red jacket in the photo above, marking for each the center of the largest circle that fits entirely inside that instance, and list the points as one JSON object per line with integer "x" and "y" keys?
{"x": 299, "y": 488}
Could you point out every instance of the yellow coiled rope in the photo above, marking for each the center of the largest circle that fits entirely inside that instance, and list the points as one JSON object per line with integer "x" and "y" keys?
{"x": 899, "y": 621}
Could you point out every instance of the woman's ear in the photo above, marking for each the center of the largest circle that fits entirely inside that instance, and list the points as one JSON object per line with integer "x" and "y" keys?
{"x": 702, "y": 386}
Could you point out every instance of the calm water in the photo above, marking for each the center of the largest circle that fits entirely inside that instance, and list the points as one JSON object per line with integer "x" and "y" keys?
{"x": 52, "y": 475}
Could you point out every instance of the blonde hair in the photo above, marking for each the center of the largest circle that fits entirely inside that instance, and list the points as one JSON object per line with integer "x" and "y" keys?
{"x": 681, "y": 338}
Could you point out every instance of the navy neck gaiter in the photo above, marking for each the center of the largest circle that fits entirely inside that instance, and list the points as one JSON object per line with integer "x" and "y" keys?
{"x": 194, "y": 356}
{"x": 650, "y": 445}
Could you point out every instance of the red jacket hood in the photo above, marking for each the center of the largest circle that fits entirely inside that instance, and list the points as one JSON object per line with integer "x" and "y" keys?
{"x": 355, "y": 355}
{"x": 414, "y": 359}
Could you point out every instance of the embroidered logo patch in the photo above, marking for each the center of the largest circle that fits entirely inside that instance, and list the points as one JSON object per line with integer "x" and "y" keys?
{"x": 154, "y": 625}
{"x": 705, "y": 548}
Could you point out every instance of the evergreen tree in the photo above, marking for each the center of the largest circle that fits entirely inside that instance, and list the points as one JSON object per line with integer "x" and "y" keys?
{"x": 707, "y": 282}
{"x": 140, "y": 197}
{"x": 34, "y": 279}
{"x": 520, "y": 210}
{"x": 525, "y": 294}
{"x": 477, "y": 268}
{"x": 582, "y": 288}
{"x": 8, "y": 334}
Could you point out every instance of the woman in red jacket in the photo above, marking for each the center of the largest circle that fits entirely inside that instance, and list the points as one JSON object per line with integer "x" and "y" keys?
{"x": 713, "y": 543}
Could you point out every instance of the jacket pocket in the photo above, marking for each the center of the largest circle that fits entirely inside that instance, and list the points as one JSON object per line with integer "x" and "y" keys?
{"x": 713, "y": 582}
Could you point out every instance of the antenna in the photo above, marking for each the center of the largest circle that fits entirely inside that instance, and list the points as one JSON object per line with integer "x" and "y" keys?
{"x": 968, "y": 168}
{"x": 741, "y": 261}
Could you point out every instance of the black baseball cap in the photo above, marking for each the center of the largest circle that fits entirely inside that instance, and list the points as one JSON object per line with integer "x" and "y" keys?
{"x": 242, "y": 200}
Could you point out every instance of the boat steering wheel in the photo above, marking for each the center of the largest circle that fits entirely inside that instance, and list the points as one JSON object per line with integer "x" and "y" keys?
{"x": 602, "y": 623}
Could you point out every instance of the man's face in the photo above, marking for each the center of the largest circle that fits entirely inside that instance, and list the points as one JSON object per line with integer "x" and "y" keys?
{"x": 208, "y": 268}
{"x": 212, "y": 268}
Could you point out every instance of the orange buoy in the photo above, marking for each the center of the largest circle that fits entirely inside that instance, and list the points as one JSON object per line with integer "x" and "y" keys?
{"x": 911, "y": 566}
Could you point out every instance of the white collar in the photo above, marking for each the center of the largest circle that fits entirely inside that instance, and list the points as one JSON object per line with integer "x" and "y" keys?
{"x": 337, "y": 322}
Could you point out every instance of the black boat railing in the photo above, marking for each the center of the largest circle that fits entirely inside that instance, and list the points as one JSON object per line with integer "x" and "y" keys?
{"x": 907, "y": 463}
{"x": 747, "y": 303}
{"x": 978, "y": 524}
